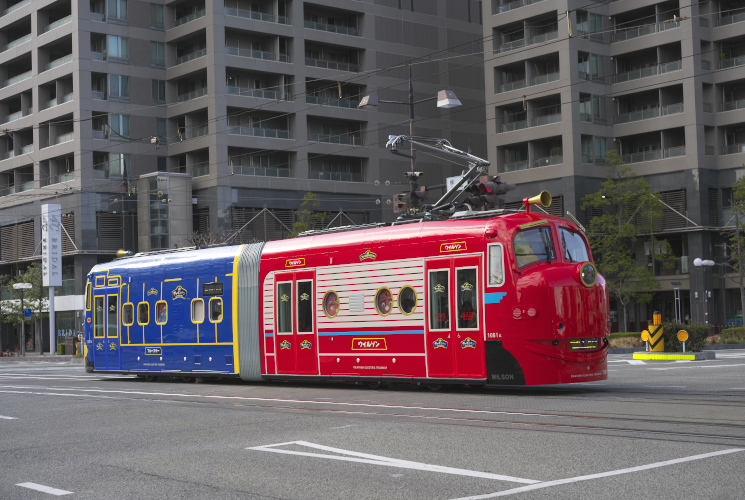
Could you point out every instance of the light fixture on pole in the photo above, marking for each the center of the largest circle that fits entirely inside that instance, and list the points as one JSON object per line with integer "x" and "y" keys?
{"x": 22, "y": 287}
{"x": 445, "y": 99}
{"x": 703, "y": 264}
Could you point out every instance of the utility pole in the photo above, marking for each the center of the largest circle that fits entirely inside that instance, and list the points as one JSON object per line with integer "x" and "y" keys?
{"x": 22, "y": 287}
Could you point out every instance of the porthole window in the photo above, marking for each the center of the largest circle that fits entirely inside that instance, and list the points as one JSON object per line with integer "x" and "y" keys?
{"x": 128, "y": 314}
{"x": 331, "y": 304}
{"x": 216, "y": 310}
{"x": 407, "y": 300}
{"x": 384, "y": 302}
{"x": 143, "y": 313}
{"x": 161, "y": 312}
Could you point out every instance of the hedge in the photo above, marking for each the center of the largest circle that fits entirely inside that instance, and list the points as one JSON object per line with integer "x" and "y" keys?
{"x": 623, "y": 335}
{"x": 697, "y": 335}
{"x": 732, "y": 336}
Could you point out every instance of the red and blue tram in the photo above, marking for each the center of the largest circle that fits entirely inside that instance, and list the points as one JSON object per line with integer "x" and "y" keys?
{"x": 507, "y": 298}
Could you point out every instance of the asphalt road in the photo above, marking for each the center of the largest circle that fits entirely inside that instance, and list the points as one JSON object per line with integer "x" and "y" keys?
{"x": 655, "y": 429}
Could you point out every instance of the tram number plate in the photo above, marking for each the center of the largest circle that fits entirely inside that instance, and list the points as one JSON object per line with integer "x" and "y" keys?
{"x": 584, "y": 344}
{"x": 153, "y": 350}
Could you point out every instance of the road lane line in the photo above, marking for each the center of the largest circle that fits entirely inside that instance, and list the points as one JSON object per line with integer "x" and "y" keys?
{"x": 44, "y": 489}
{"x": 7, "y": 418}
{"x": 548, "y": 484}
{"x": 697, "y": 367}
{"x": 366, "y": 458}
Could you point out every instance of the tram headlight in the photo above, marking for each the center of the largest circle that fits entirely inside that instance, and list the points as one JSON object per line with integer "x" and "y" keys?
{"x": 586, "y": 273}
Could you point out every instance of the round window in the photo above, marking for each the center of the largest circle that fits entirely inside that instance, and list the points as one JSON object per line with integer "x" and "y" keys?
{"x": 331, "y": 304}
{"x": 407, "y": 300}
{"x": 384, "y": 301}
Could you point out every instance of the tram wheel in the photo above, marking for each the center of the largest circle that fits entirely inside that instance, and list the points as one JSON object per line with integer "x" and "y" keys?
{"x": 187, "y": 380}
{"x": 434, "y": 387}
{"x": 374, "y": 385}
{"x": 149, "y": 378}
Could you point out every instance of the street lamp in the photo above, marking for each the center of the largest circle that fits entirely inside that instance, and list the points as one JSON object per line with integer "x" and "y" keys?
{"x": 445, "y": 99}
{"x": 703, "y": 264}
{"x": 22, "y": 287}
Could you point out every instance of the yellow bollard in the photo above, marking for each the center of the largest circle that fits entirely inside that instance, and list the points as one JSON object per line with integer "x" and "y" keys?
{"x": 656, "y": 331}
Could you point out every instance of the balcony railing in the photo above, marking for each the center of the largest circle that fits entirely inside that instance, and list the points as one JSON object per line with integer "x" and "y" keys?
{"x": 17, "y": 42}
{"x": 514, "y": 166}
{"x": 336, "y": 139}
{"x": 514, "y": 44}
{"x": 709, "y": 150}
{"x": 15, "y": 7}
{"x": 344, "y": 30}
{"x": 63, "y": 138}
{"x": 335, "y": 176}
{"x": 58, "y": 62}
{"x": 189, "y": 57}
{"x": 192, "y": 132}
{"x": 17, "y": 78}
{"x": 341, "y": 66}
{"x": 548, "y": 160}
{"x": 98, "y": 56}
{"x": 514, "y": 5}
{"x": 330, "y": 101}
{"x": 253, "y": 54}
{"x": 657, "y": 69}
{"x": 637, "y": 31}
{"x": 98, "y": 16}
{"x": 274, "y": 95}
{"x": 657, "y": 154}
{"x": 257, "y": 16}
{"x": 58, "y": 23}
{"x": 28, "y": 148}
{"x": 260, "y": 132}
{"x": 736, "y": 18}
{"x": 506, "y": 87}
{"x": 16, "y": 116}
{"x": 538, "y": 80}
{"x": 262, "y": 171}
{"x": 512, "y": 126}
{"x": 733, "y": 149}
{"x": 732, "y": 105}
{"x": 97, "y": 94}
{"x": 546, "y": 119}
{"x": 70, "y": 176}
{"x": 732, "y": 62}
{"x": 187, "y": 19}
{"x": 9, "y": 154}
{"x": 192, "y": 95}
{"x": 708, "y": 108}
{"x": 200, "y": 170}
{"x": 646, "y": 114}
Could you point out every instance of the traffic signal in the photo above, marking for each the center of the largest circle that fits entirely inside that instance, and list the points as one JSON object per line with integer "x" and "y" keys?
{"x": 485, "y": 190}
{"x": 400, "y": 203}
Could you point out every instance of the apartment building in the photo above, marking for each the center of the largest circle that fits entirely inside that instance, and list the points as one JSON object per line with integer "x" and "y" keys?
{"x": 151, "y": 121}
{"x": 662, "y": 82}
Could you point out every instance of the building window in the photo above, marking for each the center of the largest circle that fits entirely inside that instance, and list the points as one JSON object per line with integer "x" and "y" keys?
{"x": 158, "y": 91}
{"x": 119, "y": 126}
{"x": 117, "y": 47}
{"x": 160, "y": 128}
{"x": 162, "y": 164}
{"x": 157, "y": 18}
{"x": 119, "y": 86}
{"x": 117, "y": 9}
{"x": 158, "y": 53}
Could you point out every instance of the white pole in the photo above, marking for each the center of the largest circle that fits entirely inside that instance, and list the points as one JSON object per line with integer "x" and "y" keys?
{"x": 52, "y": 324}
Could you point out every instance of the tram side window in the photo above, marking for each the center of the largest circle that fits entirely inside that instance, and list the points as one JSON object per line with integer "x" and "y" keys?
{"x": 98, "y": 318}
{"x": 439, "y": 300}
{"x": 113, "y": 309}
{"x": 496, "y": 265}
{"x": 284, "y": 308}
{"x": 305, "y": 306}
{"x": 534, "y": 245}
{"x": 467, "y": 298}
{"x": 197, "y": 311}
{"x": 575, "y": 249}
{"x": 128, "y": 314}
{"x": 407, "y": 300}
{"x": 216, "y": 310}
{"x": 161, "y": 312}
{"x": 88, "y": 296}
{"x": 143, "y": 313}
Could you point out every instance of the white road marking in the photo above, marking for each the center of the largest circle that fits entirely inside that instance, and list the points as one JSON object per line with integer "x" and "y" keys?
{"x": 353, "y": 456}
{"x": 343, "y": 426}
{"x": 548, "y": 484}
{"x": 44, "y": 489}
{"x": 7, "y": 418}
{"x": 666, "y": 386}
{"x": 698, "y": 367}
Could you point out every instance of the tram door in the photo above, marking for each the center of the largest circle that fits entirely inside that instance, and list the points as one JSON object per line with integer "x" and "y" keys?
{"x": 455, "y": 338}
{"x": 296, "y": 337}
{"x": 106, "y": 328}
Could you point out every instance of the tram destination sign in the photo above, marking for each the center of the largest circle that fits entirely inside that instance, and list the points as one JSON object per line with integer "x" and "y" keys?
{"x": 212, "y": 289}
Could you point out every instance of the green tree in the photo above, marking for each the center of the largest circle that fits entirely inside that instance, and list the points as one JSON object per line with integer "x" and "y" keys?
{"x": 628, "y": 211}
{"x": 35, "y": 298}
{"x": 308, "y": 215}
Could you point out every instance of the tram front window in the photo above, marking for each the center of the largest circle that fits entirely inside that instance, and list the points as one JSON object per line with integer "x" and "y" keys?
{"x": 575, "y": 249}
{"x": 534, "y": 245}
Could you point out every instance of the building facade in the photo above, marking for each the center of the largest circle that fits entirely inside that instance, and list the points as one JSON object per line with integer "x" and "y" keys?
{"x": 663, "y": 83}
{"x": 150, "y": 122}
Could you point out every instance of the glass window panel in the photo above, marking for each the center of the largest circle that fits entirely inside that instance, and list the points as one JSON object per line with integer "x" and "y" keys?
{"x": 407, "y": 300}
{"x": 439, "y": 300}
{"x": 575, "y": 249}
{"x": 98, "y": 323}
{"x": 197, "y": 310}
{"x": 533, "y": 245}
{"x": 496, "y": 265}
{"x": 467, "y": 304}
{"x": 305, "y": 306}
{"x": 216, "y": 309}
{"x": 161, "y": 312}
{"x": 113, "y": 312}
{"x": 128, "y": 316}
{"x": 143, "y": 313}
{"x": 284, "y": 308}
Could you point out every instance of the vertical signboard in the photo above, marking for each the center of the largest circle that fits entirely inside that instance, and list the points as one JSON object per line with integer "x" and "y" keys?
{"x": 51, "y": 244}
